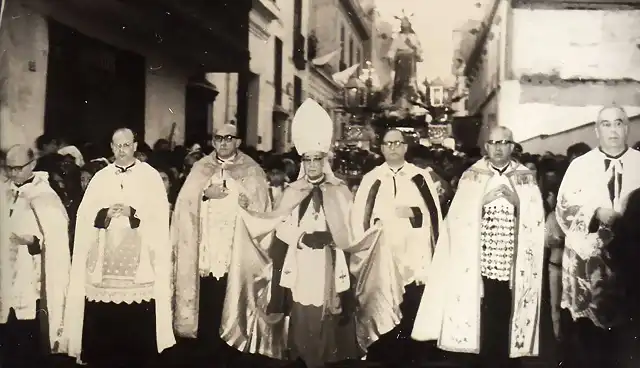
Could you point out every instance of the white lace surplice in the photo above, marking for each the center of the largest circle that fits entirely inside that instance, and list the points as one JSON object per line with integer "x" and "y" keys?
{"x": 118, "y": 267}
{"x": 218, "y": 221}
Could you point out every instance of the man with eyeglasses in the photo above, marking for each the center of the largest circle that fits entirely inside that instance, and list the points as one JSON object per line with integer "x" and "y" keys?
{"x": 403, "y": 199}
{"x": 591, "y": 201}
{"x": 118, "y": 310}
{"x": 203, "y": 235}
{"x": 483, "y": 290}
{"x": 34, "y": 263}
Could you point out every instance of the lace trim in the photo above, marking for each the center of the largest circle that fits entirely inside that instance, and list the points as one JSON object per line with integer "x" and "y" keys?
{"x": 118, "y": 296}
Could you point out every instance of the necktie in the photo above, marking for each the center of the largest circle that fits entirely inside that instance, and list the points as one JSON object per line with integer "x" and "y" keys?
{"x": 395, "y": 186}
{"x": 614, "y": 166}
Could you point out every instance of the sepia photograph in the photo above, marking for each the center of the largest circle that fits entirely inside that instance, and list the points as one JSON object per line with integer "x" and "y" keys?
{"x": 319, "y": 183}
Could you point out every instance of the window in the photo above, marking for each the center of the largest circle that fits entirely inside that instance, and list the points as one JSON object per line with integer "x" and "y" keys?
{"x": 343, "y": 52}
{"x": 297, "y": 92}
{"x": 359, "y": 55}
{"x": 277, "y": 71}
{"x": 351, "y": 52}
{"x": 297, "y": 27}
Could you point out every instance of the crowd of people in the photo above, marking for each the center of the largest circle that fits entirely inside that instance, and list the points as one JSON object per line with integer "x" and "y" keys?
{"x": 319, "y": 211}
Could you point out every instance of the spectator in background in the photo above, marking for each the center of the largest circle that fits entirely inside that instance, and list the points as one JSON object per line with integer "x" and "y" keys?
{"x": 47, "y": 144}
{"x": 143, "y": 152}
{"x": 170, "y": 184}
{"x": 576, "y": 150}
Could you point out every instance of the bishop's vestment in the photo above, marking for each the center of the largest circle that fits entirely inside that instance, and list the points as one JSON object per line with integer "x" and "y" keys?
{"x": 487, "y": 266}
{"x": 212, "y": 260}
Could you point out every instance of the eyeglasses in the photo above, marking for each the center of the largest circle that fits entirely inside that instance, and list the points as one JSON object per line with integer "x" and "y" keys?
{"x": 224, "y": 138}
{"x": 503, "y": 142}
{"x": 393, "y": 144}
{"x": 17, "y": 168}
{"x": 312, "y": 159}
{"x": 122, "y": 146}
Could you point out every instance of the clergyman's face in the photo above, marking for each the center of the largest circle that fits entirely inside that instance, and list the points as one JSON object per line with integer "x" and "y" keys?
{"x": 19, "y": 168}
{"x": 226, "y": 142}
{"x": 313, "y": 164}
{"x": 124, "y": 147}
{"x": 499, "y": 147}
{"x": 612, "y": 129}
{"x": 394, "y": 148}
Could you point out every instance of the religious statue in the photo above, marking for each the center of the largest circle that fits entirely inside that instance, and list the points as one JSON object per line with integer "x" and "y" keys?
{"x": 404, "y": 54}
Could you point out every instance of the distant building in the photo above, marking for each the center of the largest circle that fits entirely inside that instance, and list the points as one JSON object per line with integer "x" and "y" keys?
{"x": 339, "y": 36}
{"x": 550, "y": 80}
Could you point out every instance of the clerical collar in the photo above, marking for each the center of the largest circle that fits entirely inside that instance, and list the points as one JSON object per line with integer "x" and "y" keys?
{"x": 316, "y": 181}
{"x": 501, "y": 170}
{"x": 28, "y": 181}
{"x": 124, "y": 169}
{"x": 616, "y": 156}
{"x": 396, "y": 170}
{"x": 226, "y": 160}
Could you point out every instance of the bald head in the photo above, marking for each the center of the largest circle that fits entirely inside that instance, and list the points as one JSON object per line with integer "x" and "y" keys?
{"x": 227, "y": 129}
{"x": 123, "y": 134}
{"x": 501, "y": 133}
{"x": 19, "y": 154}
{"x": 611, "y": 113}
{"x": 393, "y": 135}
{"x": 20, "y": 163}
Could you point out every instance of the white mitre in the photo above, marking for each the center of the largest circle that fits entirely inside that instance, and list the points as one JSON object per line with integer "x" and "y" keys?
{"x": 311, "y": 128}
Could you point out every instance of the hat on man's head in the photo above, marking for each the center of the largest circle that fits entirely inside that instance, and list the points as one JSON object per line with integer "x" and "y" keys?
{"x": 311, "y": 128}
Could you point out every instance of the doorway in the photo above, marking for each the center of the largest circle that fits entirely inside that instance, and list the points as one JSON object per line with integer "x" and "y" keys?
{"x": 92, "y": 88}
{"x": 200, "y": 97}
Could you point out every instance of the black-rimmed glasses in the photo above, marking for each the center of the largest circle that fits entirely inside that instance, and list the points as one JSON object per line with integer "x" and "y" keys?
{"x": 503, "y": 142}
{"x": 224, "y": 138}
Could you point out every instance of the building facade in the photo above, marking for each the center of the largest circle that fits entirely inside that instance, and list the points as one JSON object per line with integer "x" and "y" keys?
{"x": 277, "y": 75}
{"x": 339, "y": 32}
{"x": 82, "y": 70}
{"x": 548, "y": 81}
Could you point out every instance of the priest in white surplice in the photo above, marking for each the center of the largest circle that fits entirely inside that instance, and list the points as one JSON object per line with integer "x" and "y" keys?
{"x": 483, "y": 289}
{"x": 119, "y": 302}
{"x": 34, "y": 263}
{"x": 592, "y": 197}
{"x": 403, "y": 200}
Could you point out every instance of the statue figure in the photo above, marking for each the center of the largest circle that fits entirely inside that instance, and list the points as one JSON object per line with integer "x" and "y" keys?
{"x": 404, "y": 54}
